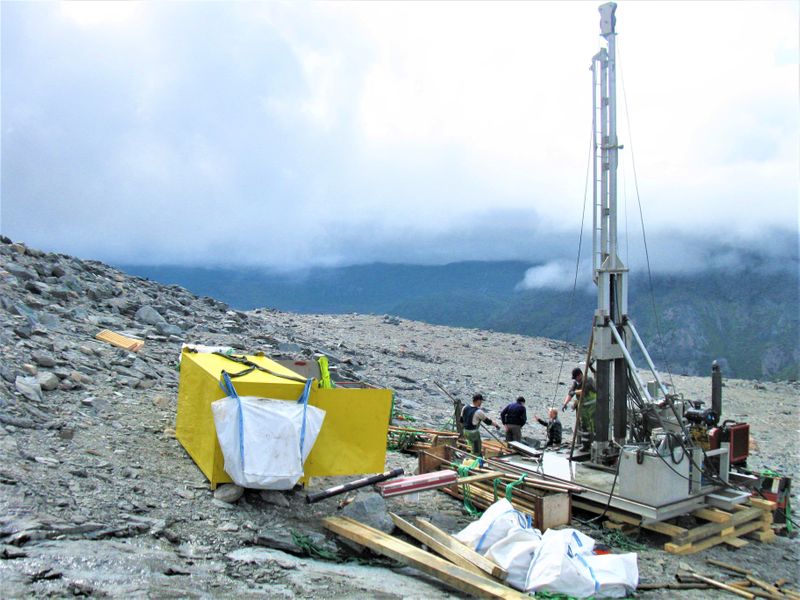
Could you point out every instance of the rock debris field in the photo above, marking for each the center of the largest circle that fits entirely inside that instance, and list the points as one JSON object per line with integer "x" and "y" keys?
{"x": 98, "y": 498}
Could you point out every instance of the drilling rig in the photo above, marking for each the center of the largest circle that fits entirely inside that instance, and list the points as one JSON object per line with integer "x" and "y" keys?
{"x": 660, "y": 453}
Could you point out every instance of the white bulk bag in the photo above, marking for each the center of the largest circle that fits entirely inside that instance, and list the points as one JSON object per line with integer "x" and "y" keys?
{"x": 494, "y": 525}
{"x": 514, "y": 553}
{"x": 566, "y": 564}
{"x": 617, "y": 575}
{"x": 265, "y": 442}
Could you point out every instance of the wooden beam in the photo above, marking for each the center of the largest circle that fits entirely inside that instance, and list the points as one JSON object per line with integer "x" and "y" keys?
{"x": 697, "y": 546}
{"x": 456, "y": 577}
{"x": 434, "y": 545}
{"x": 764, "y": 585}
{"x": 712, "y": 514}
{"x": 462, "y": 550}
{"x": 709, "y": 529}
{"x": 730, "y": 567}
{"x": 480, "y": 477}
{"x": 723, "y": 586}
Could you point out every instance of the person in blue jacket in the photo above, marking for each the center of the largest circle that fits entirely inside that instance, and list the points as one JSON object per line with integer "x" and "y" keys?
{"x": 514, "y": 417}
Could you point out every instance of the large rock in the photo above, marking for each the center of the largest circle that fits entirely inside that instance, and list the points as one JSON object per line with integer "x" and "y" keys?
{"x": 149, "y": 316}
{"x": 275, "y": 498}
{"x": 47, "y": 381}
{"x": 167, "y": 329}
{"x": 370, "y": 508}
{"x": 29, "y": 387}
{"x": 43, "y": 359}
{"x": 228, "y": 492}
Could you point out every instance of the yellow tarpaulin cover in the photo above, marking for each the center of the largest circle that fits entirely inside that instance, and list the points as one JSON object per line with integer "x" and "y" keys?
{"x": 353, "y": 436}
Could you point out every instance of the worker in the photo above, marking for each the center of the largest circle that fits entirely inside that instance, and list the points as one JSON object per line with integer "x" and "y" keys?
{"x": 472, "y": 417}
{"x": 513, "y": 418}
{"x": 587, "y": 404}
{"x": 553, "y": 427}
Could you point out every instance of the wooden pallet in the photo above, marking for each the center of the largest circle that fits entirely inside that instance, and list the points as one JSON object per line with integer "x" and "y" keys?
{"x": 119, "y": 340}
{"x": 753, "y": 519}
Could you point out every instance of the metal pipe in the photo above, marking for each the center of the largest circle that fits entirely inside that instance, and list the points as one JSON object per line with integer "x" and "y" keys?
{"x": 647, "y": 357}
{"x": 629, "y": 360}
{"x": 353, "y": 485}
{"x": 716, "y": 389}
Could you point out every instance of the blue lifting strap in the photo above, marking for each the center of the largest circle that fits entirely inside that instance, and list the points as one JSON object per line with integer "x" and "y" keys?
{"x": 304, "y": 401}
{"x": 227, "y": 386}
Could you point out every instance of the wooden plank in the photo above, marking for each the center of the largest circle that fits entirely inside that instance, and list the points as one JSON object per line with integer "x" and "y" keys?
{"x": 692, "y": 547}
{"x": 771, "y": 589}
{"x": 434, "y": 545}
{"x": 723, "y": 586}
{"x": 119, "y": 340}
{"x": 709, "y": 529}
{"x": 525, "y": 449}
{"x": 462, "y": 550}
{"x": 454, "y": 576}
{"x": 714, "y": 515}
{"x": 765, "y": 537}
{"x": 480, "y": 477}
{"x": 736, "y": 542}
{"x": 762, "y": 504}
{"x": 730, "y": 567}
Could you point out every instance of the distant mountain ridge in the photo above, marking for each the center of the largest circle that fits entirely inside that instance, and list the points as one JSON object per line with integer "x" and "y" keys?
{"x": 749, "y": 320}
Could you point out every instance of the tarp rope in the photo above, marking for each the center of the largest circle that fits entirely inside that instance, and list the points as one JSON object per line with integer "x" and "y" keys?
{"x": 324, "y": 374}
{"x": 463, "y": 471}
{"x": 510, "y": 487}
{"x": 242, "y": 360}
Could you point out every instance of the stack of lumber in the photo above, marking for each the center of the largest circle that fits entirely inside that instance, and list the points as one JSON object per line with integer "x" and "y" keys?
{"x": 416, "y": 439}
{"x": 460, "y": 567}
{"x": 546, "y": 502}
{"x": 753, "y": 519}
{"x": 490, "y": 448}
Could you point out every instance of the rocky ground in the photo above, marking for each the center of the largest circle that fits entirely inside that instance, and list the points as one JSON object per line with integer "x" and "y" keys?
{"x": 98, "y": 498}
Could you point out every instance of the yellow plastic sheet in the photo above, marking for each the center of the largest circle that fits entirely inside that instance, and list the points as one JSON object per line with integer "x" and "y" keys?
{"x": 353, "y": 436}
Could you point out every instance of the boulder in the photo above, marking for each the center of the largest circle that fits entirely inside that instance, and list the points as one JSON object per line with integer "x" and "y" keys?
{"x": 47, "y": 381}
{"x": 228, "y": 492}
{"x": 370, "y": 508}
{"x": 29, "y": 387}
{"x": 149, "y": 316}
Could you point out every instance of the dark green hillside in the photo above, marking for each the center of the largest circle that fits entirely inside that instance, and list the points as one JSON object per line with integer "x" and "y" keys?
{"x": 747, "y": 319}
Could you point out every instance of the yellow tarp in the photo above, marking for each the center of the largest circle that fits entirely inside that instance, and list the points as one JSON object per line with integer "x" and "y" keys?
{"x": 353, "y": 436}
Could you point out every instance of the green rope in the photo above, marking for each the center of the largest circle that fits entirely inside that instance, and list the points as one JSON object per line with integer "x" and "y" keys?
{"x": 510, "y": 487}
{"x": 309, "y": 548}
{"x": 403, "y": 440}
{"x": 619, "y": 540}
{"x": 555, "y": 596}
{"x": 463, "y": 471}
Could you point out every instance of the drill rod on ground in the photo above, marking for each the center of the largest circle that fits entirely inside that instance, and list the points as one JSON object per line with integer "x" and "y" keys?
{"x": 353, "y": 485}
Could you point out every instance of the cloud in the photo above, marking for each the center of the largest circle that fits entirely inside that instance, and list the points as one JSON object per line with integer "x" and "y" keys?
{"x": 297, "y": 134}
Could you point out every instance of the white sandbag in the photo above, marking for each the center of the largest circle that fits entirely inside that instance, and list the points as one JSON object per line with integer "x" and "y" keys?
{"x": 558, "y": 566}
{"x": 565, "y": 563}
{"x": 260, "y": 439}
{"x": 494, "y": 525}
{"x": 617, "y": 575}
{"x": 514, "y": 553}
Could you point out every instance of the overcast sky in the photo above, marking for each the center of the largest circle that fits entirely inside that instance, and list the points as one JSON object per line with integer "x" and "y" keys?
{"x": 295, "y": 134}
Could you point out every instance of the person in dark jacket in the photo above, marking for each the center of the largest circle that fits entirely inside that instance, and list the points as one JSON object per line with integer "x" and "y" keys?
{"x": 553, "y": 428}
{"x": 514, "y": 417}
